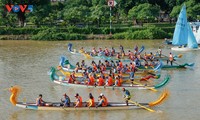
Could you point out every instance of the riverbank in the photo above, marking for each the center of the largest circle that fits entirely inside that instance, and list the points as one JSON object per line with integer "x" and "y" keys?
{"x": 84, "y": 33}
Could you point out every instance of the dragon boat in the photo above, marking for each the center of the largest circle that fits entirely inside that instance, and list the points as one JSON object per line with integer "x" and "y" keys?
{"x": 101, "y": 55}
{"x": 58, "y": 106}
{"x": 126, "y": 83}
{"x": 65, "y": 67}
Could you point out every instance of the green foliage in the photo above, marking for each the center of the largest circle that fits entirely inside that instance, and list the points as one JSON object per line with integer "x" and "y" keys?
{"x": 151, "y": 32}
{"x": 52, "y": 34}
{"x": 143, "y": 12}
{"x": 192, "y": 7}
{"x": 76, "y": 14}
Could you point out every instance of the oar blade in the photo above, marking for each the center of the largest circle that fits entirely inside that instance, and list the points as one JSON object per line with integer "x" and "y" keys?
{"x": 144, "y": 107}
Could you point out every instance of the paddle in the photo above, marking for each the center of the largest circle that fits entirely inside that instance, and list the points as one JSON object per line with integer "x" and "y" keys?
{"x": 150, "y": 88}
{"x": 146, "y": 108}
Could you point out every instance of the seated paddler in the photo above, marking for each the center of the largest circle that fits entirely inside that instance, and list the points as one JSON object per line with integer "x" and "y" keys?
{"x": 78, "y": 102}
{"x": 90, "y": 102}
{"x": 40, "y": 101}
{"x": 66, "y": 101}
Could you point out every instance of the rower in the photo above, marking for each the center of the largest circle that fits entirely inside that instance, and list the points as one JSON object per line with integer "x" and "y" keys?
{"x": 90, "y": 80}
{"x": 81, "y": 50}
{"x": 83, "y": 66}
{"x": 117, "y": 81}
{"x": 40, "y": 101}
{"x": 103, "y": 102}
{"x": 90, "y": 102}
{"x": 94, "y": 51}
{"x": 101, "y": 81}
{"x": 66, "y": 101}
{"x": 113, "y": 64}
{"x": 78, "y": 102}
{"x": 127, "y": 95}
{"x": 77, "y": 67}
{"x": 118, "y": 56}
{"x": 109, "y": 82}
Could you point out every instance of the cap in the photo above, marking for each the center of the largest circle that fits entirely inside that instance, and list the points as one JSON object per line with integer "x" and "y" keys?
{"x": 101, "y": 94}
{"x": 76, "y": 95}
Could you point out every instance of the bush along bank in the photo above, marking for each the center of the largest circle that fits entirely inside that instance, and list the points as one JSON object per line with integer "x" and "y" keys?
{"x": 75, "y": 33}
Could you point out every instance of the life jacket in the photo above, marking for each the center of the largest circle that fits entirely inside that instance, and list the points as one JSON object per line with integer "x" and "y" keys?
{"x": 110, "y": 82}
{"x": 70, "y": 80}
{"x": 101, "y": 82}
{"x": 94, "y": 67}
{"x": 39, "y": 101}
{"x": 91, "y": 82}
{"x": 73, "y": 76}
{"x": 118, "y": 82}
{"x": 91, "y": 103}
{"x": 80, "y": 101}
{"x": 105, "y": 103}
{"x": 171, "y": 57}
{"x": 120, "y": 64}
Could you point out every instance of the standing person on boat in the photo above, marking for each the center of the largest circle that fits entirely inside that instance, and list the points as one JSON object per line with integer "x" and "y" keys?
{"x": 91, "y": 102}
{"x": 40, "y": 101}
{"x": 132, "y": 76}
{"x": 66, "y": 101}
{"x": 171, "y": 59}
{"x": 113, "y": 51}
{"x": 159, "y": 52}
{"x": 127, "y": 95}
{"x": 135, "y": 50}
{"x": 121, "y": 48}
{"x": 78, "y": 102}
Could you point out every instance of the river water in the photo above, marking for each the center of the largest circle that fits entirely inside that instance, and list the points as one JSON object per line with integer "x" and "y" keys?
{"x": 26, "y": 63}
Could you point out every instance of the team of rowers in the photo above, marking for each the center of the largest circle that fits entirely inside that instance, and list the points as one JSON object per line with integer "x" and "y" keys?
{"x": 66, "y": 102}
{"x": 134, "y": 56}
{"x": 105, "y": 78}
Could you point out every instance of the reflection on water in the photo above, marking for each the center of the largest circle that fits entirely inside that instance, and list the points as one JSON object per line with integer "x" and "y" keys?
{"x": 26, "y": 63}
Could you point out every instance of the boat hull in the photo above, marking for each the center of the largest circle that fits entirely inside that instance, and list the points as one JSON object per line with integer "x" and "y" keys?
{"x": 184, "y": 49}
{"x": 58, "y": 107}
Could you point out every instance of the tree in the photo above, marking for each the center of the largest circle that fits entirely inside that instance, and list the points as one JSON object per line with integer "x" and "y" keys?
{"x": 22, "y": 15}
{"x": 76, "y": 14}
{"x": 192, "y": 7}
{"x": 144, "y": 12}
{"x": 99, "y": 13}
